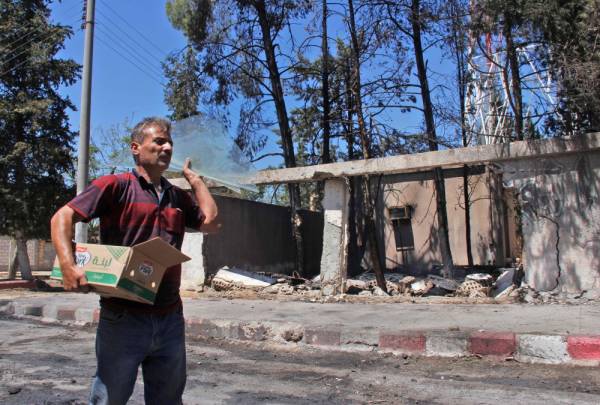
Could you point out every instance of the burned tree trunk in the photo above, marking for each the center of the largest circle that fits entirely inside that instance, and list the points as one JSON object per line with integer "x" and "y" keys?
{"x": 325, "y": 154}
{"x": 284, "y": 128}
{"x": 516, "y": 101}
{"x": 19, "y": 259}
{"x": 369, "y": 204}
{"x": 440, "y": 192}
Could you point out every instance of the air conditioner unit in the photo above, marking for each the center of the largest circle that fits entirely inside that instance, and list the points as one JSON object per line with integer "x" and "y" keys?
{"x": 401, "y": 212}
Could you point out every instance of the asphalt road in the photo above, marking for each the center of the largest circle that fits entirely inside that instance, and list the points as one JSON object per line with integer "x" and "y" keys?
{"x": 42, "y": 364}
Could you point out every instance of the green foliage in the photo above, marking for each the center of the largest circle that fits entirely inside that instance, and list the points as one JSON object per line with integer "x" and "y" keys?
{"x": 228, "y": 65}
{"x": 571, "y": 29}
{"x": 108, "y": 144}
{"x": 35, "y": 140}
{"x": 182, "y": 92}
{"x": 192, "y": 17}
{"x": 231, "y": 63}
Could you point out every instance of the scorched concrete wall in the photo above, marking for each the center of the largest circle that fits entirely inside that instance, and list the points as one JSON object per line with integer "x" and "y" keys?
{"x": 417, "y": 191}
{"x": 560, "y": 212}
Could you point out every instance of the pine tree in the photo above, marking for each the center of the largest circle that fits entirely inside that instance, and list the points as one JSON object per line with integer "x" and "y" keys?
{"x": 182, "y": 92}
{"x": 241, "y": 59}
{"x": 35, "y": 139}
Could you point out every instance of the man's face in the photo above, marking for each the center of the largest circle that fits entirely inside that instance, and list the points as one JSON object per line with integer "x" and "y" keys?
{"x": 156, "y": 149}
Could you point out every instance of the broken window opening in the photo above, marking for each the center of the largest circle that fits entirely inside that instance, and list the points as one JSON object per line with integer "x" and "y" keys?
{"x": 402, "y": 224}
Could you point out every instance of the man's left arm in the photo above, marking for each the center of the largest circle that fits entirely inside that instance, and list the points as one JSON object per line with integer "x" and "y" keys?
{"x": 205, "y": 201}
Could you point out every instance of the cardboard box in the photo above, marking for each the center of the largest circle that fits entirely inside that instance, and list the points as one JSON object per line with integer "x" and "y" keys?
{"x": 133, "y": 273}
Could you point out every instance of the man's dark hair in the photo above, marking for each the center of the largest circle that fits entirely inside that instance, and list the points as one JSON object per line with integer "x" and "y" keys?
{"x": 138, "y": 135}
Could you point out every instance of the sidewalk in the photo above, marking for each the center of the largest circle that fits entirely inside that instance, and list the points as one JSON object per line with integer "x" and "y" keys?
{"x": 558, "y": 334}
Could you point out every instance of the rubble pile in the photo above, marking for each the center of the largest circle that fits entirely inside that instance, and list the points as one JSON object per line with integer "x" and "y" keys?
{"x": 475, "y": 285}
{"x": 506, "y": 286}
{"x": 531, "y": 296}
{"x": 227, "y": 279}
{"x": 231, "y": 279}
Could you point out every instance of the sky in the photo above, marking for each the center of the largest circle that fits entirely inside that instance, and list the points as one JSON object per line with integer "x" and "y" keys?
{"x": 131, "y": 39}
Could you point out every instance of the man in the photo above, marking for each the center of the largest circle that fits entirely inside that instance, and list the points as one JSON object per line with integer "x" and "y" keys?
{"x": 135, "y": 207}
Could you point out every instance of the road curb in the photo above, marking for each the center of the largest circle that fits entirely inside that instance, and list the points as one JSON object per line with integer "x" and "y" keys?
{"x": 10, "y": 284}
{"x": 581, "y": 350}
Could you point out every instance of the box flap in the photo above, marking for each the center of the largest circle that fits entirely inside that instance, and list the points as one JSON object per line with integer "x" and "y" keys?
{"x": 161, "y": 251}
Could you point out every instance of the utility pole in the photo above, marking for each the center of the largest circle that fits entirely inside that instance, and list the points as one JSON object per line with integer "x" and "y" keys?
{"x": 83, "y": 156}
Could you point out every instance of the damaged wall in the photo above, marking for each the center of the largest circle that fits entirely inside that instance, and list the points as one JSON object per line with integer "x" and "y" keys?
{"x": 41, "y": 253}
{"x": 560, "y": 213}
{"x": 417, "y": 192}
{"x": 258, "y": 236}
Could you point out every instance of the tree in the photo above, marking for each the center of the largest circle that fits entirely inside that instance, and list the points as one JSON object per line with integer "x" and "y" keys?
{"x": 570, "y": 31}
{"x": 240, "y": 56}
{"x": 366, "y": 145}
{"x": 455, "y": 31}
{"x": 35, "y": 139}
{"x": 342, "y": 107}
{"x": 411, "y": 18}
{"x": 183, "y": 89}
{"x": 326, "y": 121}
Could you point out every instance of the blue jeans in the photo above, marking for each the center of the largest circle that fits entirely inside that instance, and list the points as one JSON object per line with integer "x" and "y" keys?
{"x": 124, "y": 341}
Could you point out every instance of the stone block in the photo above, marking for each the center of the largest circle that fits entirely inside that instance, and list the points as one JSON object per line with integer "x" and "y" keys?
{"x": 322, "y": 337}
{"x": 33, "y": 310}
{"x": 584, "y": 347}
{"x": 492, "y": 343}
{"x": 551, "y": 349}
{"x": 406, "y": 342}
{"x": 447, "y": 344}
{"x": 66, "y": 313}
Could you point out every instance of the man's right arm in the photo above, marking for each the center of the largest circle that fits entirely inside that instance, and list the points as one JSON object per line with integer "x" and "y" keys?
{"x": 61, "y": 228}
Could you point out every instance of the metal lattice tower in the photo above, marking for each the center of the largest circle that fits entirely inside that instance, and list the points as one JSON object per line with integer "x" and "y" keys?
{"x": 488, "y": 110}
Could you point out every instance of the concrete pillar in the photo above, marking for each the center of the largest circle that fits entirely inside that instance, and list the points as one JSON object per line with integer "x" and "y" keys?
{"x": 192, "y": 272}
{"x": 335, "y": 237}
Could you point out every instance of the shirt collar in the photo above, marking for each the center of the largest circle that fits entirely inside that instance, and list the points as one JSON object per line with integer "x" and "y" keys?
{"x": 145, "y": 184}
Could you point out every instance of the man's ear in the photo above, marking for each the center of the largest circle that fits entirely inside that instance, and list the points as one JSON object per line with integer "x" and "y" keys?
{"x": 135, "y": 148}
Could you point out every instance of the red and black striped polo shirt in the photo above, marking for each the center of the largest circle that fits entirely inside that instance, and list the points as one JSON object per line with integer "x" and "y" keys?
{"x": 131, "y": 212}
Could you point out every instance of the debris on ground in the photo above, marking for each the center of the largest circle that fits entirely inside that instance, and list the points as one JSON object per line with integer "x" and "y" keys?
{"x": 502, "y": 285}
{"x": 378, "y": 292}
{"x": 355, "y": 286}
{"x": 485, "y": 280}
{"x": 227, "y": 279}
{"x": 444, "y": 283}
{"x": 472, "y": 289}
{"x": 421, "y": 287}
{"x": 505, "y": 283}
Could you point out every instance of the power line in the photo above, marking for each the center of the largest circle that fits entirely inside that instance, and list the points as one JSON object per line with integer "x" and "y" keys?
{"x": 68, "y": 15}
{"x": 4, "y": 62}
{"x": 129, "y": 36}
{"x": 129, "y": 49}
{"x": 21, "y": 63}
{"x": 14, "y": 67}
{"x": 24, "y": 45}
{"x": 27, "y": 33}
{"x": 34, "y": 37}
{"x": 161, "y": 52}
{"x": 140, "y": 62}
{"x": 16, "y": 40}
{"x": 130, "y": 61}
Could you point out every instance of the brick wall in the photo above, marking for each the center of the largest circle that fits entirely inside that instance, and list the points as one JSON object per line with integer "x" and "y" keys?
{"x": 41, "y": 253}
